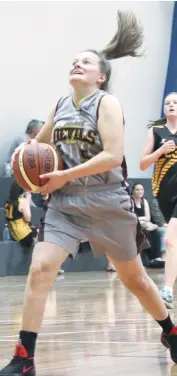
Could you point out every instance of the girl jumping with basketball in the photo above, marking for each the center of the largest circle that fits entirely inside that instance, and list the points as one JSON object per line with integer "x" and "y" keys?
{"x": 90, "y": 198}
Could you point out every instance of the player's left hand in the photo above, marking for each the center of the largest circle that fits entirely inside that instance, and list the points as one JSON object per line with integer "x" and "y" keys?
{"x": 56, "y": 180}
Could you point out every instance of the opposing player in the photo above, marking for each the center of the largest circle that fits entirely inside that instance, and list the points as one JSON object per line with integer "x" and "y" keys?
{"x": 90, "y": 199}
{"x": 161, "y": 149}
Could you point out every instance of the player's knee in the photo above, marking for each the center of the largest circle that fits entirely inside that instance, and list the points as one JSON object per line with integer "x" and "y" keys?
{"x": 40, "y": 273}
{"x": 137, "y": 284}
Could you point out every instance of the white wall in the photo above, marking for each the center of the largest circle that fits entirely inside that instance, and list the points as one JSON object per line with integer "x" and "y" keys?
{"x": 37, "y": 43}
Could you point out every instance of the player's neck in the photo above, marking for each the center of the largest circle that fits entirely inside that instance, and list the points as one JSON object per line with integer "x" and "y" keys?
{"x": 172, "y": 123}
{"x": 82, "y": 93}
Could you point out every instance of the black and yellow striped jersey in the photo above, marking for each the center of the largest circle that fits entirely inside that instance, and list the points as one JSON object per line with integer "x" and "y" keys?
{"x": 164, "y": 180}
{"x": 18, "y": 228}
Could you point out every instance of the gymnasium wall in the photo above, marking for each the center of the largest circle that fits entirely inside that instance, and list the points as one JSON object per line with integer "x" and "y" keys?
{"x": 37, "y": 43}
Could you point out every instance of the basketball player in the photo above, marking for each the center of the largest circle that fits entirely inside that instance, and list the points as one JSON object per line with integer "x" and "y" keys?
{"x": 161, "y": 149}
{"x": 93, "y": 202}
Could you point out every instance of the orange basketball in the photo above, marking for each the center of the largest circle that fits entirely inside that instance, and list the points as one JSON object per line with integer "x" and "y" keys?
{"x": 32, "y": 161}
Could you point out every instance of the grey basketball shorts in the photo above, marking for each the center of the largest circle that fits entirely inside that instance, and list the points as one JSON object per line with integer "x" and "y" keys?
{"x": 101, "y": 215}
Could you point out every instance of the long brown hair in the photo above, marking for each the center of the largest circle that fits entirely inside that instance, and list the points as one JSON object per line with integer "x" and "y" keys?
{"x": 126, "y": 42}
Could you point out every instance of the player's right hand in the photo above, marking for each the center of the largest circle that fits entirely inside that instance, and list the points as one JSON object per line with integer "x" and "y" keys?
{"x": 168, "y": 147}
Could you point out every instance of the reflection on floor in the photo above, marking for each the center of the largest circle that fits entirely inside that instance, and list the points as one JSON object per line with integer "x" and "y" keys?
{"x": 92, "y": 326}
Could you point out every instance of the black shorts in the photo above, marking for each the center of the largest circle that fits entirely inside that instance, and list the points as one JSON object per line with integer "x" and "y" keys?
{"x": 168, "y": 207}
{"x": 167, "y": 197}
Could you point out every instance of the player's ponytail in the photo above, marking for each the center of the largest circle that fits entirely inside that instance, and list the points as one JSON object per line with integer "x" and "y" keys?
{"x": 126, "y": 42}
{"x": 128, "y": 39}
{"x": 161, "y": 121}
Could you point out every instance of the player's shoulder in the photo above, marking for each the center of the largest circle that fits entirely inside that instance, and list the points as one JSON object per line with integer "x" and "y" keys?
{"x": 65, "y": 98}
{"x": 108, "y": 98}
{"x": 158, "y": 126}
{"x": 109, "y": 102}
{"x": 62, "y": 101}
{"x": 158, "y": 129}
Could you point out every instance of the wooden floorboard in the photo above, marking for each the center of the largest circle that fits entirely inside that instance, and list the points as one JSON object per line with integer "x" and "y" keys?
{"x": 92, "y": 326}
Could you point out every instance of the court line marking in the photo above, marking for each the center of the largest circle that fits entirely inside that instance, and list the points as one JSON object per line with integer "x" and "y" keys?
{"x": 79, "y": 332}
{"x": 67, "y": 283}
{"x": 86, "y": 285}
{"x": 90, "y": 342}
{"x": 62, "y": 321}
{"x": 10, "y": 287}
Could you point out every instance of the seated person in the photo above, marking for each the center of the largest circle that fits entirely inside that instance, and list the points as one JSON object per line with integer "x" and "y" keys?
{"x": 142, "y": 210}
{"x": 18, "y": 216}
{"x": 159, "y": 220}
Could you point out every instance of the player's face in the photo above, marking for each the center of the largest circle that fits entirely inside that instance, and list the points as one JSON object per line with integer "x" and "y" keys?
{"x": 85, "y": 71}
{"x": 170, "y": 106}
{"x": 138, "y": 191}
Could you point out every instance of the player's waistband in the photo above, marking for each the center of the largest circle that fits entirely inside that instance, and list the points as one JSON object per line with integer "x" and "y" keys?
{"x": 73, "y": 190}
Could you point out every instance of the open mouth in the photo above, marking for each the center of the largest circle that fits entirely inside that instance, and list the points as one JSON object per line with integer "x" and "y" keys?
{"x": 77, "y": 72}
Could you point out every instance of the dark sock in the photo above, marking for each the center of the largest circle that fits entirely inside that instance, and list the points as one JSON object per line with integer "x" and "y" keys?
{"x": 166, "y": 325}
{"x": 28, "y": 340}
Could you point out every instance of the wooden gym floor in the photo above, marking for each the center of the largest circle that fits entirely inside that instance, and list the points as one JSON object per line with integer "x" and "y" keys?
{"x": 93, "y": 326}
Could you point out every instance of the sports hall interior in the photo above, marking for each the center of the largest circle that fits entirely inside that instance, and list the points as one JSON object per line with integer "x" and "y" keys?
{"x": 92, "y": 324}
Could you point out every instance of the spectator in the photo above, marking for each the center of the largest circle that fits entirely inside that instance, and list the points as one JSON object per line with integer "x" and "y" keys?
{"x": 32, "y": 130}
{"x": 142, "y": 210}
{"x": 159, "y": 220}
{"x": 18, "y": 216}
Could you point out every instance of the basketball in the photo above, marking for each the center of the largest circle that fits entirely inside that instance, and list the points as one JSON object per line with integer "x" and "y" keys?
{"x": 33, "y": 160}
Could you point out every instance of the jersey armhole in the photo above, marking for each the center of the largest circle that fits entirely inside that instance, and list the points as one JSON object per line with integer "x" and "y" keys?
{"x": 57, "y": 106}
{"x": 98, "y": 107}
{"x": 155, "y": 139}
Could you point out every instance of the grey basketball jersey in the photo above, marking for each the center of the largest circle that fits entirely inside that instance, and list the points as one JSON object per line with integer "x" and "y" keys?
{"x": 76, "y": 135}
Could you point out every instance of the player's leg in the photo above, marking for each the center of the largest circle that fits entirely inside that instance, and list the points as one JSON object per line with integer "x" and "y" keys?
{"x": 134, "y": 277}
{"x": 46, "y": 261}
{"x": 121, "y": 239}
{"x": 170, "y": 241}
{"x": 57, "y": 239}
{"x": 169, "y": 210}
